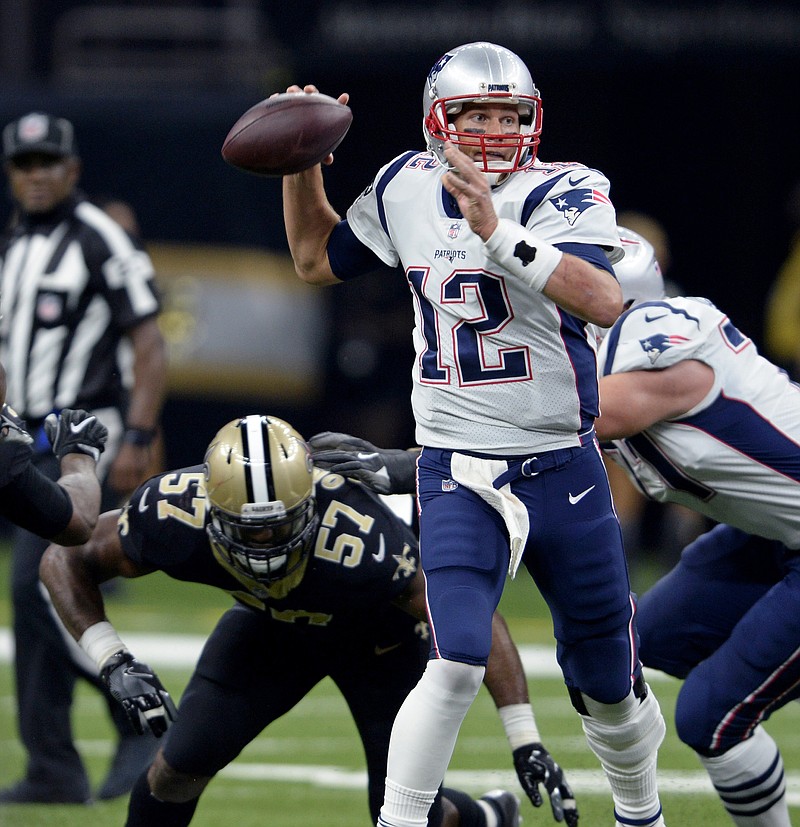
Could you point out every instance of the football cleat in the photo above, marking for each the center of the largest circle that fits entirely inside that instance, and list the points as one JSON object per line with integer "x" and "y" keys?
{"x": 506, "y": 804}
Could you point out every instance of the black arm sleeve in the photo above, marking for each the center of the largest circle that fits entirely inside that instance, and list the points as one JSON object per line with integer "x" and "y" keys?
{"x": 36, "y": 503}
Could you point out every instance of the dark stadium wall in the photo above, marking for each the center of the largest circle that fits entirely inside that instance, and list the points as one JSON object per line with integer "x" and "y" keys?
{"x": 695, "y": 122}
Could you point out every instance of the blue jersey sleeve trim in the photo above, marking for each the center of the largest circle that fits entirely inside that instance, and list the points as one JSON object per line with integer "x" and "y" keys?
{"x": 348, "y": 256}
{"x": 592, "y": 253}
{"x": 383, "y": 182}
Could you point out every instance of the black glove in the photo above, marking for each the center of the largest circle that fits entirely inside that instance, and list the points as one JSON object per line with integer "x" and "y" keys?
{"x": 76, "y": 432}
{"x": 141, "y": 693}
{"x": 534, "y": 766}
{"x": 12, "y": 428}
{"x": 387, "y": 471}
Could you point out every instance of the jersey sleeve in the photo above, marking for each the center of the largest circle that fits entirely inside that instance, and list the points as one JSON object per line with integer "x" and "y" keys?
{"x": 35, "y": 502}
{"x": 366, "y": 217}
{"x": 657, "y": 335}
{"x": 163, "y": 519}
{"x": 362, "y": 542}
{"x": 574, "y": 206}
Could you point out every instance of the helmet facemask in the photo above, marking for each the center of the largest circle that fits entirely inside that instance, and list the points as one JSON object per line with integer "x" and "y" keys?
{"x": 260, "y": 490}
{"x": 267, "y": 549}
{"x": 482, "y": 73}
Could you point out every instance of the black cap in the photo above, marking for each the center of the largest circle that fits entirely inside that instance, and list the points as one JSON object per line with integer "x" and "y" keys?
{"x": 38, "y": 132}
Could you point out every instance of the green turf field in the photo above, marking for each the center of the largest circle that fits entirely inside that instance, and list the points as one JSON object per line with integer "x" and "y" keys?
{"x": 306, "y": 770}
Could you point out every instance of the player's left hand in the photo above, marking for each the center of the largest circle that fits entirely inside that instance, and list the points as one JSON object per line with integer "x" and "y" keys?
{"x": 141, "y": 693}
{"x": 76, "y": 432}
{"x": 385, "y": 470}
{"x": 535, "y": 766}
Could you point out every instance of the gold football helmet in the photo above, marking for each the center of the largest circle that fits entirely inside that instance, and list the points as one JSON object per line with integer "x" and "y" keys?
{"x": 260, "y": 492}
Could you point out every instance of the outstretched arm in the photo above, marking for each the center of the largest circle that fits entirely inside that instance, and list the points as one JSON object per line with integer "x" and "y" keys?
{"x": 73, "y": 577}
{"x": 385, "y": 470}
{"x": 637, "y": 399}
{"x": 309, "y": 216}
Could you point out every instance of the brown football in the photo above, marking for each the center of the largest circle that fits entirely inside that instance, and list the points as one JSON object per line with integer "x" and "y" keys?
{"x": 286, "y": 133}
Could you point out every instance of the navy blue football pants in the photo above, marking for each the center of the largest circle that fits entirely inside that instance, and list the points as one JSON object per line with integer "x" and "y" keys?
{"x": 574, "y": 554}
{"x": 727, "y": 620}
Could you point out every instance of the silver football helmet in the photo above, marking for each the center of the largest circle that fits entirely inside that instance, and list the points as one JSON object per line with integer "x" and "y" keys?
{"x": 480, "y": 73}
{"x": 260, "y": 492}
{"x": 638, "y": 272}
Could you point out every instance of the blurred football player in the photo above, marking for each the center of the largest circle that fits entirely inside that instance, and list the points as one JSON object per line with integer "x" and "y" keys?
{"x": 698, "y": 417}
{"x": 695, "y": 416}
{"x": 327, "y": 583}
{"x": 508, "y": 259}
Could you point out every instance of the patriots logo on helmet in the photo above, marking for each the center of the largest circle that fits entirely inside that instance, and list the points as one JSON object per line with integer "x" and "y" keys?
{"x": 658, "y": 343}
{"x": 437, "y": 67}
{"x": 574, "y": 203}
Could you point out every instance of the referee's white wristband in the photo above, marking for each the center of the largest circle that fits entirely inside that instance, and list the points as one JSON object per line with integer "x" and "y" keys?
{"x": 100, "y": 641}
{"x": 518, "y": 250}
{"x": 519, "y": 724}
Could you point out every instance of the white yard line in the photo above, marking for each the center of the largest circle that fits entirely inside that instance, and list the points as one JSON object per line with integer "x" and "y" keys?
{"x": 183, "y": 650}
{"x": 583, "y": 781}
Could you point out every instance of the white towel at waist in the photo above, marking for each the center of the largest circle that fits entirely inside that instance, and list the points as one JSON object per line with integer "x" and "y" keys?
{"x": 477, "y": 475}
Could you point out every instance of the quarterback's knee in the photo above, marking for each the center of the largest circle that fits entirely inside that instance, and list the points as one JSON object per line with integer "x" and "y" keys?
{"x": 167, "y": 784}
{"x": 454, "y": 680}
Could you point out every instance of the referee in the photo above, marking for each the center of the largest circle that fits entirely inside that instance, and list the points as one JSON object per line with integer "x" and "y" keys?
{"x": 79, "y": 331}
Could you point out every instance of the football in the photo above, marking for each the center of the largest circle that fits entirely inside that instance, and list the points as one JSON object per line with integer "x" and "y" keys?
{"x": 286, "y": 133}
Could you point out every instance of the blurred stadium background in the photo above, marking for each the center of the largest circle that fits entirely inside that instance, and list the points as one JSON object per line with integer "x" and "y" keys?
{"x": 690, "y": 108}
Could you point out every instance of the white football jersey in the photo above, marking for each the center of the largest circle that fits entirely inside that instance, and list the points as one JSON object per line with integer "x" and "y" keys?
{"x": 735, "y": 456}
{"x": 499, "y": 368}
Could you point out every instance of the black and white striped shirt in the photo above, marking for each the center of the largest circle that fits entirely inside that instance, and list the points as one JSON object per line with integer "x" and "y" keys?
{"x": 72, "y": 281}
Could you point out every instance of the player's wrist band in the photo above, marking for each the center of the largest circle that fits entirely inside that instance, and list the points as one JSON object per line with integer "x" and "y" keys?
{"x": 518, "y": 250}
{"x": 519, "y": 724}
{"x": 100, "y": 641}
{"x": 142, "y": 437}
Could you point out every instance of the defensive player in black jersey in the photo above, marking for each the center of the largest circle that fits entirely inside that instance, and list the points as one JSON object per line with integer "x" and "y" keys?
{"x": 65, "y": 510}
{"x": 326, "y": 583}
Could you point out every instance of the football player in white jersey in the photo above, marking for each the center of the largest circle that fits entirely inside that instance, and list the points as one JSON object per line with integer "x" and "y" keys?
{"x": 698, "y": 417}
{"x": 508, "y": 258}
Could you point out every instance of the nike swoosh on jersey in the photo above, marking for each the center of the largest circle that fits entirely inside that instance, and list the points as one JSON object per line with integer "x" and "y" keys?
{"x": 378, "y": 558}
{"x": 77, "y": 428}
{"x": 142, "y": 505}
{"x": 649, "y": 318}
{"x": 579, "y": 181}
{"x": 576, "y": 498}
{"x": 382, "y": 650}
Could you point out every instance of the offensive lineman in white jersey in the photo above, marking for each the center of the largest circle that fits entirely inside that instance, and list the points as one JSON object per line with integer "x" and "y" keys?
{"x": 698, "y": 417}
{"x": 507, "y": 258}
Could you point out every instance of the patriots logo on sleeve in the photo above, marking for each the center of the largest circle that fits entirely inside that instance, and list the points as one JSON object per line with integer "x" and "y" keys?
{"x": 658, "y": 343}
{"x": 574, "y": 203}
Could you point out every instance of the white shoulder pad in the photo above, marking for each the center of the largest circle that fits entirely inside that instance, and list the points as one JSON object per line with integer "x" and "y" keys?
{"x": 656, "y": 335}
